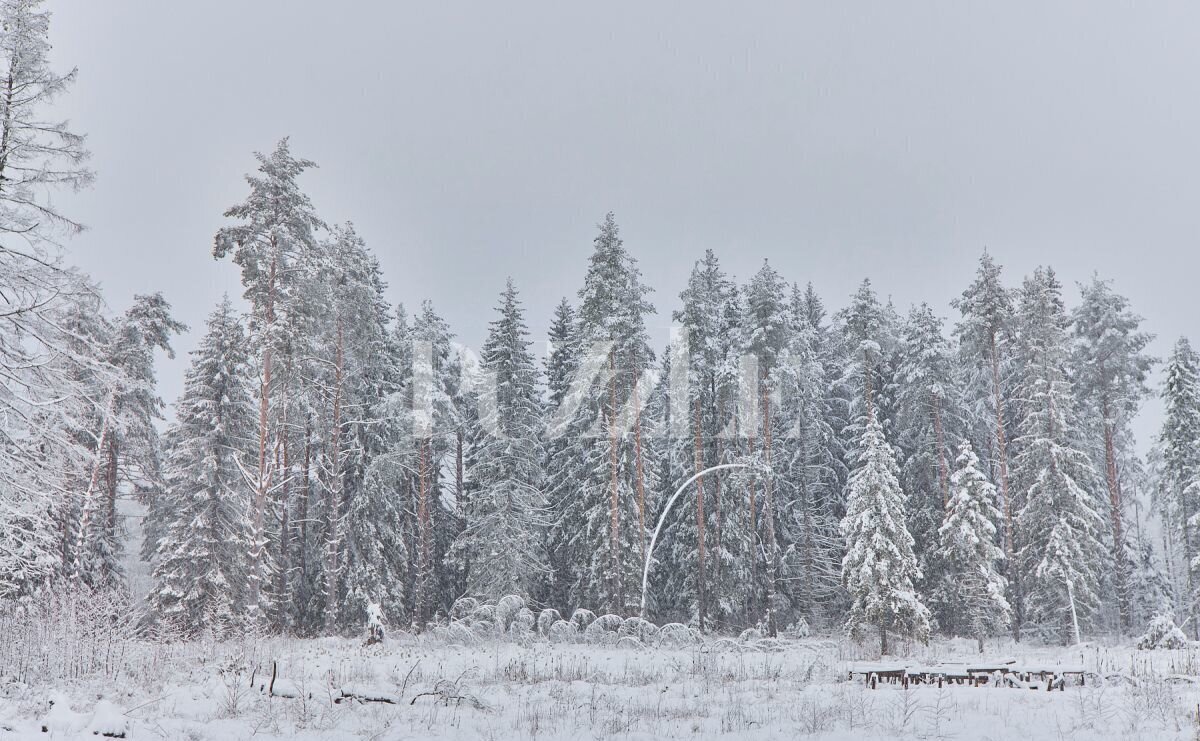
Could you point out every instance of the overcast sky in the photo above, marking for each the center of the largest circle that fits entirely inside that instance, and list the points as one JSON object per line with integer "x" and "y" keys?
{"x": 473, "y": 141}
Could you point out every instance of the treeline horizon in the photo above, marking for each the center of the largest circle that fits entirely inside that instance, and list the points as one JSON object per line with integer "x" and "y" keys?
{"x": 333, "y": 456}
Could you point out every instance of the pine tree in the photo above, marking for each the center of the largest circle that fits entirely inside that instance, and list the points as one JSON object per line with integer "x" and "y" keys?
{"x": 506, "y": 512}
{"x": 434, "y": 375}
{"x": 769, "y": 335}
{"x": 201, "y": 569}
{"x": 1060, "y": 554}
{"x": 1109, "y": 368}
{"x": 699, "y": 355}
{"x": 879, "y": 567}
{"x": 273, "y": 244}
{"x": 971, "y": 588}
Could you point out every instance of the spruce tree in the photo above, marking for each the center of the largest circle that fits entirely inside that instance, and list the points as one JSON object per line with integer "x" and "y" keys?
{"x": 880, "y": 568}
{"x": 505, "y": 516}
{"x": 1060, "y": 554}
{"x": 971, "y": 588}
{"x": 200, "y": 572}
{"x": 928, "y": 405}
{"x": 810, "y": 468}
{"x": 1179, "y": 478}
{"x": 607, "y": 442}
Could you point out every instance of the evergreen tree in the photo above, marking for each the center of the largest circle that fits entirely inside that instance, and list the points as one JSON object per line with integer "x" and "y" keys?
{"x": 562, "y": 362}
{"x": 1060, "y": 554}
{"x": 1109, "y": 368}
{"x": 699, "y": 353}
{"x": 273, "y": 242}
{"x": 769, "y": 338}
{"x": 367, "y": 546}
{"x": 880, "y": 567}
{"x": 1179, "y": 478}
{"x": 435, "y": 373}
{"x": 971, "y": 588}
{"x": 928, "y": 403}
{"x": 506, "y": 513}
{"x": 200, "y": 570}
{"x": 606, "y": 439}
{"x": 985, "y": 339}
{"x": 810, "y": 468}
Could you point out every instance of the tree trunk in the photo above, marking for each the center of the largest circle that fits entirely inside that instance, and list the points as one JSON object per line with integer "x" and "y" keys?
{"x": 883, "y": 642}
{"x": 305, "y": 494}
{"x": 1114, "y": 498}
{"x": 460, "y": 493}
{"x": 283, "y": 575}
{"x": 617, "y": 589}
{"x": 698, "y": 461}
{"x": 637, "y": 457}
{"x": 772, "y": 550}
{"x": 254, "y": 574}
{"x": 943, "y": 464}
{"x": 752, "y": 591}
{"x": 424, "y": 536}
{"x": 87, "y": 505}
{"x": 334, "y": 541}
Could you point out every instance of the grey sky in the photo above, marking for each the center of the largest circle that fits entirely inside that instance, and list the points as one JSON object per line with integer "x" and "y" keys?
{"x": 472, "y": 141}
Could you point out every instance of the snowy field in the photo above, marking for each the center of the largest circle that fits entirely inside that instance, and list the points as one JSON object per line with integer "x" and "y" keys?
{"x": 436, "y": 687}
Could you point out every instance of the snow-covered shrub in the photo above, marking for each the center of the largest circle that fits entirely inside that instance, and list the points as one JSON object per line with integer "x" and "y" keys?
{"x": 71, "y": 633}
{"x": 582, "y": 618}
{"x": 507, "y": 608}
{"x": 374, "y": 623}
{"x": 603, "y": 630}
{"x": 798, "y": 629}
{"x": 750, "y": 635}
{"x": 639, "y": 628}
{"x": 463, "y": 607}
{"x": 677, "y": 635}
{"x": 546, "y": 618}
{"x": 1163, "y": 632}
{"x": 520, "y": 629}
{"x": 563, "y": 632}
{"x": 483, "y": 613}
{"x": 457, "y": 632}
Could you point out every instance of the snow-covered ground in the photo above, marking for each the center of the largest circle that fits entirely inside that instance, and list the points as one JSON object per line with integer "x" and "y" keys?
{"x": 493, "y": 688}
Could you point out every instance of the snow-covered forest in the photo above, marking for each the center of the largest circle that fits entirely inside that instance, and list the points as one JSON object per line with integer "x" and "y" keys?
{"x": 826, "y": 477}
{"x": 964, "y": 470}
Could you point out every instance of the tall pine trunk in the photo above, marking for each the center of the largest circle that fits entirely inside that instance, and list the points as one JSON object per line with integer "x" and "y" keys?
{"x": 943, "y": 464}
{"x": 617, "y": 587}
{"x": 698, "y": 462}
{"x": 254, "y": 573}
{"x": 1112, "y": 478}
{"x": 424, "y": 601}
{"x": 333, "y": 546}
{"x": 769, "y": 512}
